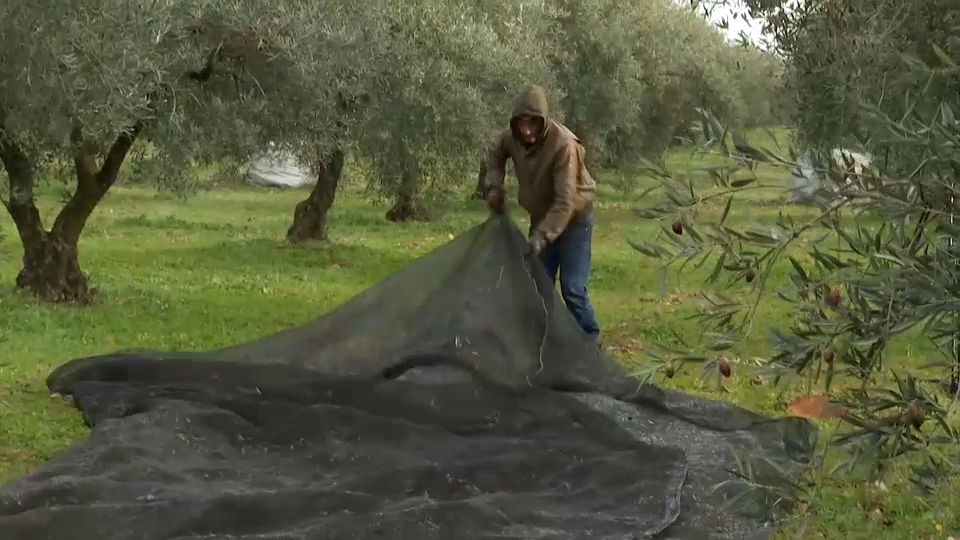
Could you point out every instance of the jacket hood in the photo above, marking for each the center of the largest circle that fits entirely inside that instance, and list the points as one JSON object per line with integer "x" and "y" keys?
{"x": 532, "y": 101}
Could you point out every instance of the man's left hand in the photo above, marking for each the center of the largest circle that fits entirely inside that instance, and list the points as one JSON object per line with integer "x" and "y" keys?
{"x": 537, "y": 243}
{"x": 494, "y": 199}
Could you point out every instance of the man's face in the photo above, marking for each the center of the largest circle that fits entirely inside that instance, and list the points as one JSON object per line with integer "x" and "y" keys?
{"x": 528, "y": 127}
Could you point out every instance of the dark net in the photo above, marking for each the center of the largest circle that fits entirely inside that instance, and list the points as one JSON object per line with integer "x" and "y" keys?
{"x": 456, "y": 399}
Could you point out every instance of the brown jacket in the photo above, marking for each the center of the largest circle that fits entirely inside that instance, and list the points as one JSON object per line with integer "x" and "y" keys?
{"x": 554, "y": 185}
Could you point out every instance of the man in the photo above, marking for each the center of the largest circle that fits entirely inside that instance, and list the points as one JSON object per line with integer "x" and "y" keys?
{"x": 556, "y": 190}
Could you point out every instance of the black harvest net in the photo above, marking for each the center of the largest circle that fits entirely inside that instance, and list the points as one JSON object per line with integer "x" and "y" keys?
{"x": 456, "y": 399}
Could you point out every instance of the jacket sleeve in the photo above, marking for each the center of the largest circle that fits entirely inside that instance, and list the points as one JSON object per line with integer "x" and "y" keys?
{"x": 496, "y": 162}
{"x": 565, "y": 171}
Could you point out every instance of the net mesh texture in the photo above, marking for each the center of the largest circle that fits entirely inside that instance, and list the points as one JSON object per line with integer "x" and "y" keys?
{"x": 455, "y": 399}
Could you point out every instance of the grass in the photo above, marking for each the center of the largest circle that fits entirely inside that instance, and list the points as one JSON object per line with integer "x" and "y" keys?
{"x": 211, "y": 270}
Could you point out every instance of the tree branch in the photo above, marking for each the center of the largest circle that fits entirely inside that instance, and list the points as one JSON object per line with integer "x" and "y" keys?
{"x": 117, "y": 154}
{"x": 84, "y": 164}
{"x": 20, "y": 175}
{"x": 92, "y": 183}
{"x": 204, "y": 73}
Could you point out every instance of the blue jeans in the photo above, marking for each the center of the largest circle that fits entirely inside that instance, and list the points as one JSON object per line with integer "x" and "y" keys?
{"x": 570, "y": 255}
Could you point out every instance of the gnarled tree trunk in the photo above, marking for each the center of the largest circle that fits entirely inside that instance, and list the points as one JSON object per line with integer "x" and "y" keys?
{"x": 310, "y": 215}
{"x": 406, "y": 208}
{"x": 51, "y": 271}
{"x": 51, "y": 265}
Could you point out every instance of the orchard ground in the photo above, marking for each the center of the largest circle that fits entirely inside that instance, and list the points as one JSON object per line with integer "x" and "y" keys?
{"x": 211, "y": 269}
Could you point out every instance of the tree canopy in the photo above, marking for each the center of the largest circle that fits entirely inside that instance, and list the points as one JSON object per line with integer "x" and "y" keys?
{"x": 82, "y": 82}
{"x": 634, "y": 74}
{"x": 412, "y": 89}
{"x": 445, "y": 83}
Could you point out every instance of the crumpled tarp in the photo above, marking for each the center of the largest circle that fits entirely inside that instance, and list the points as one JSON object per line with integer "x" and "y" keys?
{"x": 456, "y": 399}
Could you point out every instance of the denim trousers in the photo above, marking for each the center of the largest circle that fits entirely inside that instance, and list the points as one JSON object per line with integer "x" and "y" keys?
{"x": 569, "y": 256}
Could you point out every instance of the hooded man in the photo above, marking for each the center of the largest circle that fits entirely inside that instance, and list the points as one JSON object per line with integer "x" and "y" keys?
{"x": 556, "y": 190}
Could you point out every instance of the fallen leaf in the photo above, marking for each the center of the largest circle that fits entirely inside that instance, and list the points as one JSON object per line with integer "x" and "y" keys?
{"x": 623, "y": 344}
{"x": 16, "y": 456}
{"x": 816, "y": 408}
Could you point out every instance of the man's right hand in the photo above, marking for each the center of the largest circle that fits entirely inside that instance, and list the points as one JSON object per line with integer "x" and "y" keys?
{"x": 495, "y": 200}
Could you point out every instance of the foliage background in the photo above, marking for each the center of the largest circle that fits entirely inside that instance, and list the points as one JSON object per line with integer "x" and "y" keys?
{"x": 413, "y": 91}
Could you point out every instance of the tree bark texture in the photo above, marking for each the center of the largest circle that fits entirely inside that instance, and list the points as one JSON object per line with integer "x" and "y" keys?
{"x": 51, "y": 265}
{"x": 310, "y": 215}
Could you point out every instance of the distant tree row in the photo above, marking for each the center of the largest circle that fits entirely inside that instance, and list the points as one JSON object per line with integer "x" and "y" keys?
{"x": 412, "y": 88}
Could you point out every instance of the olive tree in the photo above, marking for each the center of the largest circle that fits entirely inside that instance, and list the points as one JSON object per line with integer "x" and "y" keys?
{"x": 874, "y": 258}
{"x": 436, "y": 80}
{"x": 450, "y": 78}
{"x": 439, "y": 76}
{"x": 344, "y": 95}
{"x": 844, "y": 55}
{"x": 764, "y": 84}
{"x": 633, "y": 75}
{"x": 83, "y": 82}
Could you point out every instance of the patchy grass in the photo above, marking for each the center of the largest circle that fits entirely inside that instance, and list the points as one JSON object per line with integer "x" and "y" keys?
{"x": 211, "y": 269}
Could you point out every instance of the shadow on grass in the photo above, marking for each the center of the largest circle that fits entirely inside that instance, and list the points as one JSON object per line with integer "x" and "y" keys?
{"x": 264, "y": 255}
{"x": 168, "y": 224}
{"x": 231, "y": 281}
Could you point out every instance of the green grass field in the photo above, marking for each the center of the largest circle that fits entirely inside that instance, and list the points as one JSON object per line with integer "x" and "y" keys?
{"x": 211, "y": 269}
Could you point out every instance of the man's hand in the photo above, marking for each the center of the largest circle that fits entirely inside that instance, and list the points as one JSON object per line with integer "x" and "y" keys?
{"x": 536, "y": 243}
{"x": 495, "y": 200}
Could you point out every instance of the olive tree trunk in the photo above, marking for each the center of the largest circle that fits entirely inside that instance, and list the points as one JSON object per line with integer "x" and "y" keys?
{"x": 310, "y": 215}
{"x": 51, "y": 264}
{"x": 405, "y": 207}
